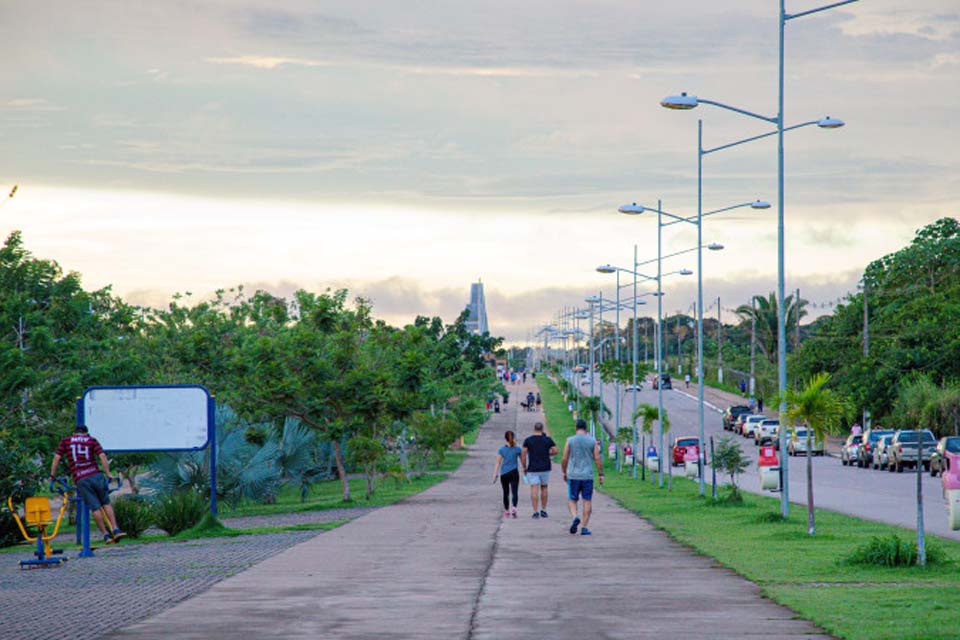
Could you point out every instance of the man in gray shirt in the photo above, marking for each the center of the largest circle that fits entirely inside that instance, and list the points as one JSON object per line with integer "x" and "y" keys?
{"x": 581, "y": 455}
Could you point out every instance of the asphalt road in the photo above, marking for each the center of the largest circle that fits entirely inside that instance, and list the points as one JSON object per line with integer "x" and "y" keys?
{"x": 874, "y": 495}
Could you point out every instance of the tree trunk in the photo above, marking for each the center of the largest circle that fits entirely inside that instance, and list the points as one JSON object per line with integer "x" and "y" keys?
{"x": 338, "y": 456}
{"x": 811, "y": 524}
{"x": 370, "y": 475}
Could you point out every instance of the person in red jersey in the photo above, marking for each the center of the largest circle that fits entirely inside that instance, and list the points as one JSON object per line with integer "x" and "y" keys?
{"x": 82, "y": 452}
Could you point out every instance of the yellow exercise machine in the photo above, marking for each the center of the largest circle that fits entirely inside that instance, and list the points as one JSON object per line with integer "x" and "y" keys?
{"x": 38, "y": 516}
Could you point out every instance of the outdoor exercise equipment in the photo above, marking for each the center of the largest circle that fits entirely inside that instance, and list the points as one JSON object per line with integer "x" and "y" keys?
{"x": 83, "y": 520}
{"x": 38, "y": 516}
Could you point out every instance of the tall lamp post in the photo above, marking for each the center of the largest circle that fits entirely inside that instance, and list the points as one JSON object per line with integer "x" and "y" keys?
{"x": 635, "y": 209}
{"x": 684, "y": 102}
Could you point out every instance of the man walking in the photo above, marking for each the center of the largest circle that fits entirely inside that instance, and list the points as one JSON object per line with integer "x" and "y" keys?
{"x": 535, "y": 458}
{"x": 82, "y": 453}
{"x": 581, "y": 454}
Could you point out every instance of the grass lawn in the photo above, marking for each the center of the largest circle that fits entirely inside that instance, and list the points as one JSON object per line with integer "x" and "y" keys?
{"x": 792, "y": 568}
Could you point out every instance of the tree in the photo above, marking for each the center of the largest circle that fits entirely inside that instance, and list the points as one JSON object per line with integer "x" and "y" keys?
{"x": 765, "y": 312}
{"x": 593, "y": 408}
{"x": 822, "y": 410}
{"x": 728, "y": 458}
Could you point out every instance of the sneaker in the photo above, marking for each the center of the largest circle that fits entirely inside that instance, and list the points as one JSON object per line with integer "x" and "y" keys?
{"x": 513, "y": 512}
{"x": 506, "y": 514}
{"x": 108, "y": 538}
{"x": 117, "y": 534}
{"x": 536, "y": 514}
{"x": 574, "y": 525}
{"x": 543, "y": 514}
{"x": 585, "y": 532}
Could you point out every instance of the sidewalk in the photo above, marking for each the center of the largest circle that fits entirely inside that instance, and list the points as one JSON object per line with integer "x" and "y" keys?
{"x": 443, "y": 564}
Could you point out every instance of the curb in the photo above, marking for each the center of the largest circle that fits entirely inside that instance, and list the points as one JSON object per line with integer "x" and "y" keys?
{"x": 705, "y": 403}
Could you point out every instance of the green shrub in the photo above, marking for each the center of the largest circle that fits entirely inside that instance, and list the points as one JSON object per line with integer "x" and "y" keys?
{"x": 134, "y": 514}
{"x": 891, "y": 551}
{"x": 18, "y": 477}
{"x": 178, "y": 511}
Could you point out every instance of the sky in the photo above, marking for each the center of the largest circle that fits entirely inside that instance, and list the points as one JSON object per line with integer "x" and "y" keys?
{"x": 407, "y": 149}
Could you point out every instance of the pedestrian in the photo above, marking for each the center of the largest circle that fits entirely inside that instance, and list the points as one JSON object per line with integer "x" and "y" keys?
{"x": 524, "y": 377}
{"x": 530, "y": 401}
{"x": 82, "y": 452}
{"x": 760, "y": 404}
{"x": 538, "y": 401}
{"x": 534, "y": 374}
{"x": 686, "y": 380}
{"x": 496, "y": 406}
{"x": 535, "y": 458}
{"x": 508, "y": 473}
{"x": 856, "y": 429}
{"x": 506, "y": 397}
{"x": 743, "y": 388}
{"x": 581, "y": 456}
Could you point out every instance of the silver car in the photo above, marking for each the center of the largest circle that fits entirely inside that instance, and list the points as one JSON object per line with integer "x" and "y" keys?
{"x": 880, "y": 456}
{"x": 766, "y": 431}
{"x": 798, "y": 443}
{"x": 848, "y": 452}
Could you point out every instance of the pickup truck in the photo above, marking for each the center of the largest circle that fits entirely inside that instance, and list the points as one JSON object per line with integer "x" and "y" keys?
{"x": 902, "y": 451}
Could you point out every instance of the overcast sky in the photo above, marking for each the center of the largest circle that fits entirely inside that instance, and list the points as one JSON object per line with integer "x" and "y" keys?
{"x": 405, "y": 149}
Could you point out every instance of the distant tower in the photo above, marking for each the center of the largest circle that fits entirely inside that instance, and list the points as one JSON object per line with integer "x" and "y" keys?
{"x": 477, "y": 320}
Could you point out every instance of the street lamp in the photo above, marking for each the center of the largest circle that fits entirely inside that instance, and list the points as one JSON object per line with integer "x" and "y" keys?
{"x": 635, "y": 209}
{"x": 685, "y": 102}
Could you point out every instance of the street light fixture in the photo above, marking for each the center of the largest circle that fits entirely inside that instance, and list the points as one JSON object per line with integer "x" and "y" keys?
{"x": 686, "y": 102}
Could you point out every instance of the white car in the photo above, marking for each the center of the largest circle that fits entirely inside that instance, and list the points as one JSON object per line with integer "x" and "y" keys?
{"x": 766, "y": 431}
{"x": 631, "y": 387}
{"x": 798, "y": 443}
{"x": 750, "y": 425}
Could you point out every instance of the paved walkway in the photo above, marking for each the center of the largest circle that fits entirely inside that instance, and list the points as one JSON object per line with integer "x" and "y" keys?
{"x": 443, "y": 564}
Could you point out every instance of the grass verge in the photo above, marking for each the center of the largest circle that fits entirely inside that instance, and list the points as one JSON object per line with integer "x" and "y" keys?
{"x": 802, "y": 572}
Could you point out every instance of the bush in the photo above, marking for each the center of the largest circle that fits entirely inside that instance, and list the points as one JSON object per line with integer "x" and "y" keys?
{"x": 18, "y": 477}
{"x": 179, "y": 511}
{"x": 891, "y": 551}
{"x": 134, "y": 514}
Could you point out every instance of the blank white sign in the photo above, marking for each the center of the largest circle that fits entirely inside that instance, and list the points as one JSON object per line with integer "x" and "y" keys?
{"x": 147, "y": 418}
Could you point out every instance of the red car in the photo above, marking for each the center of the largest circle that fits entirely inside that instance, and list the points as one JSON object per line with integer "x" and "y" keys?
{"x": 681, "y": 446}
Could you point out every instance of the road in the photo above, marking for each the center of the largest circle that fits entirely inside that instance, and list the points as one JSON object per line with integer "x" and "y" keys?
{"x": 874, "y": 495}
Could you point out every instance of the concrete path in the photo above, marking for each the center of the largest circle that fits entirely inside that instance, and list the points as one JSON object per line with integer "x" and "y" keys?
{"x": 444, "y": 564}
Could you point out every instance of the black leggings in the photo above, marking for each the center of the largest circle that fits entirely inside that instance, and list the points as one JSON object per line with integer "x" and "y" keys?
{"x": 510, "y": 480}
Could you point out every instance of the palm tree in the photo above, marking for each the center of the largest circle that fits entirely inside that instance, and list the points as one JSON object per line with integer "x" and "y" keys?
{"x": 822, "y": 410}
{"x": 592, "y": 408}
{"x": 650, "y": 414}
{"x": 764, "y": 311}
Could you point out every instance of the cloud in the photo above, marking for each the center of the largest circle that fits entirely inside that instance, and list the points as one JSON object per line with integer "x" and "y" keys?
{"x": 29, "y": 105}
{"x": 267, "y": 62}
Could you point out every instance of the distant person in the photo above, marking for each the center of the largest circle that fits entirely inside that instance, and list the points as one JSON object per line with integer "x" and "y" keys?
{"x": 535, "y": 458}
{"x": 534, "y": 375}
{"x": 856, "y": 429}
{"x": 759, "y": 404}
{"x": 581, "y": 456}
{"x": 524, "y": 377}
{"x": 743, "y": 388}
{"x": 496, "y": 406}
{"x": 538, "y": 401}
{"x": 507, "y": 471}
{"x": 686, "y": 380}
{"x": 752, "y": 404}
{"x": 82, "y": 452}
{"x": 530, "y": 401}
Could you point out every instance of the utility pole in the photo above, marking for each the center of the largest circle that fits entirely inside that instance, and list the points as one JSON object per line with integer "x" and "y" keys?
{"x": 796, "y": 305}
{"x": 679, "y": 363}
{"x": 753, "y": 347}
{"x": 866, "y": 346}
{"x": 646, "y": 328}
{"x": 719, "y": 344}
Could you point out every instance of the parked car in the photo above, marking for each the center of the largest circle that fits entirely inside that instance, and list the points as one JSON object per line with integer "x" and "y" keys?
{"x": 937, "y": 459}
{"x": 767, "y": 431}
{"x": 870, "y": 438}
{"x": 738, "y": 424}
{"x": 665, "y": 381}
{"x": 798, "y": 443}
{"x": 880, "y": 452}
{"x": 848, "y": 452}
{"x": 631, "y": 387}
{"x": 680, "y": 446}
{"x": 750, "y": 425}
{"x": 902, "y": 450}
{"x": 732, "y": 413}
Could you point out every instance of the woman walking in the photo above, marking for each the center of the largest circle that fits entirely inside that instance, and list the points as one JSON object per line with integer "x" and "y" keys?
{"x": 508, "y": 460}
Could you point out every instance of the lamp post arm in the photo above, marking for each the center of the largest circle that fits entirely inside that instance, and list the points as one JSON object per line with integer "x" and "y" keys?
{"x": 738, "y": 110}
{"x": 791, "y": 16}
{"x": 759, "y": 137}
{"x": 692, "y": 219}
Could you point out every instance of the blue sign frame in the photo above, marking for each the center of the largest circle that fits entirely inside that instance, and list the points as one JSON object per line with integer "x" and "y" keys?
{"x": 211, "y": 443}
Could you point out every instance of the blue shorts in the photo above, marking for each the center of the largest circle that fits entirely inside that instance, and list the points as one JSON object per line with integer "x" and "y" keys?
{"x": 578, "y": 488}
{"x": 94, "y": 491}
